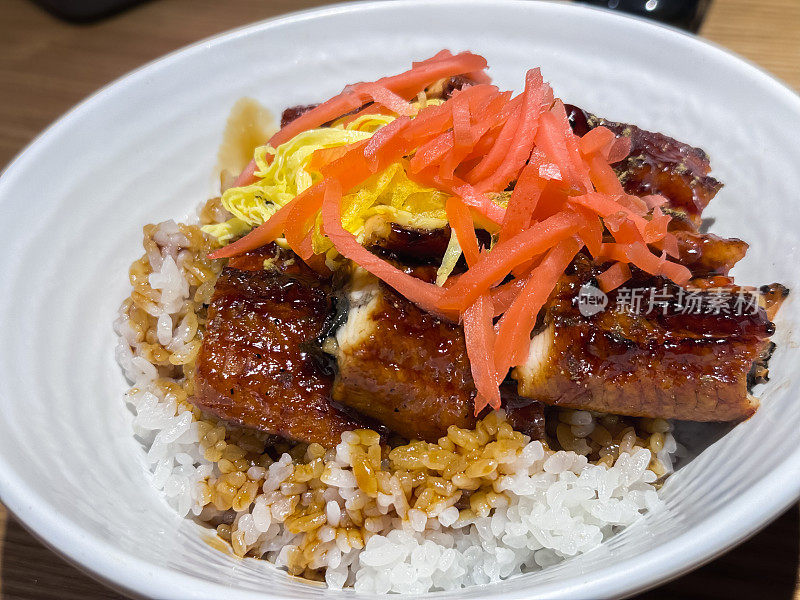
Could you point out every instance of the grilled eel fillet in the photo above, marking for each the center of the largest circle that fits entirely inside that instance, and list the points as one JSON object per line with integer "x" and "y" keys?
{"x": 649, "y": 362}
{"x": 409, "y": 370}
{"x": 256, "y": 367}
{"x": 657, "y": 164}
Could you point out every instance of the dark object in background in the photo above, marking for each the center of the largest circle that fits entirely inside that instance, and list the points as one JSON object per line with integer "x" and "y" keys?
{"x": 686, "y": 14}
{"x": 85, "y": 11}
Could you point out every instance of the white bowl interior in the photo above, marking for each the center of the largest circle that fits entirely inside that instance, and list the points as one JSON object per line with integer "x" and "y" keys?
{"x": 143, "y": 150}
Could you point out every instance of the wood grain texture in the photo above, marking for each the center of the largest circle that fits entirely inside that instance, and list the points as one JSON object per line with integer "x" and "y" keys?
{"x": 766, "y": 33}
{"x": 46, "y": 66}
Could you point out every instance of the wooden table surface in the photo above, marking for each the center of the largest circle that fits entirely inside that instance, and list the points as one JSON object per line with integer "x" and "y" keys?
{"x": 46, "y": 66}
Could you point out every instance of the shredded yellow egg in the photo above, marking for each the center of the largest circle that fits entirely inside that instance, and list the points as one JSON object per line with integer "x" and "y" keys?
{"x": 390, "y": 193}
{"x": 449, "y": 260}
{"x": 227, "y": 231}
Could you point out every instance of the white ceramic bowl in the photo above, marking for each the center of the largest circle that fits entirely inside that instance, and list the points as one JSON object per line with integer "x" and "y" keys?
{"x": 143, "y": 149}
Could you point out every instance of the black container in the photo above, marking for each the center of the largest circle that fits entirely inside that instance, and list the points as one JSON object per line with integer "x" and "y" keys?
{"x": 85, "y": 11}
{"x": 686, "y": 14}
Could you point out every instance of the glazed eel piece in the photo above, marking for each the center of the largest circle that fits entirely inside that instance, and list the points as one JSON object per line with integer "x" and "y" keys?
{"x": 687, "y": 354}
{"x": 657, "y": 164}
{"x": 402, "y": 366}
{"x": 258, "y": 365}
{"x": 409, "y": 370}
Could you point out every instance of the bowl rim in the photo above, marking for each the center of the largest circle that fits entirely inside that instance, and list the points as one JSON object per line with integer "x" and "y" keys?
{"x": 742, "y": 517}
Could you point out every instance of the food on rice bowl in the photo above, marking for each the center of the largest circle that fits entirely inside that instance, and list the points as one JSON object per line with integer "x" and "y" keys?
{"x": 435, "y": 334}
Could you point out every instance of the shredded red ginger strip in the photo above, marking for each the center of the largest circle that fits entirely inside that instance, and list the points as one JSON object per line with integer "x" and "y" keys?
{"x": 461, "y": 221}
{"x": 634, "y": 204}
{"x": 556, "y": 140}
{"x": 247, "y": 176}
{"x": 477, "y": 319}
{"x": 599, "y": 139}
{"x": 267, "y": 232}
{"x": 385, "y": 97}
{"x": 503, "y": 295}
{"x": 602, "y": 175}
{"x": 462, "y": 138}
{"x": 592, "y": 233}
{"x": 480, "y": 340}
{"x": 300, "y": 222}
{"x": 656, "y": 228}
{"x": 523, "y": 200}
{"x": 325, "y": 156}
{"x": 536, "y": 96}
{"x": 619, "y": 150}
{"x": 654, "y": 200}
{"x": 566, "y": 196}
{"x": 614, "y": 276}
{"x": 639, "y": 254}
{"x": 668, "y": 244}
{"x": 390, "y": 91}
{"x": 516, "y": 324}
